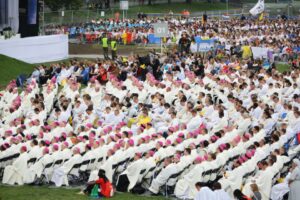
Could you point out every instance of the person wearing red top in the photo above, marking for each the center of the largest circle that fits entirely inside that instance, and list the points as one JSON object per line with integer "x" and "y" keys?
{"x": 105, "y": 187}
{"x": 240, "y": 196}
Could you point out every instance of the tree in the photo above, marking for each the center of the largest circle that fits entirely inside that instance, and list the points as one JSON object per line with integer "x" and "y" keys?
{"x": 188, "y": 1}
{"x": 72, "y": 4}
{"x": 149, "y": 2}
{"x": 107, "y": 4}
{"x": 54, "y": 5}
{"x": 169, "y": 1}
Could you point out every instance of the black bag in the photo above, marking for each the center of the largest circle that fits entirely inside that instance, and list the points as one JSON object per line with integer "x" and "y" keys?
{"x": 122, "y": 183}
{"x": 138, "y": 189}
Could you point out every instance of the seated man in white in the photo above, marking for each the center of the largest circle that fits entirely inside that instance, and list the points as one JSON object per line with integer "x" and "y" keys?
{"x": 220, "y": 193}
{"x": 128, "y": 179}
{"x": 204, "y": 192}
{"x": 36, "y": 170}
{"x": 280, "y": 189}
{"x": 162, "y": 178}
{"x": 15, "y": 173}
{"x": 263, "y": 180}
{"x": 60, "y": 174}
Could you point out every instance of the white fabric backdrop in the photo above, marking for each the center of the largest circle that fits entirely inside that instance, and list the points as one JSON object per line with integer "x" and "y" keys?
{"x": 13, "y": 16}
{"x": 259, "y": 52}
{"x": 36, "y": 49}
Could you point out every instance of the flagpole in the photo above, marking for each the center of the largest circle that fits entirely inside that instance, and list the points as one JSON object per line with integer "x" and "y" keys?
{"x": 227, "y": 6}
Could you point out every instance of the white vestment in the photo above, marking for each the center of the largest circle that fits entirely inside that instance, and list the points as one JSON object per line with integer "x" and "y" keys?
{"x": 205, "y": 194}
{"x": 15, "y": 173}
{"x": 60, "y": 174}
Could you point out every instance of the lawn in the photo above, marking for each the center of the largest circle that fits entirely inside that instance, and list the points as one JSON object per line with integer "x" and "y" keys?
{"x": 10, "y": 68}
{"x": 282, "y": 67}
{"x": 45, "y": 193}
{"x": 80, "y": 16}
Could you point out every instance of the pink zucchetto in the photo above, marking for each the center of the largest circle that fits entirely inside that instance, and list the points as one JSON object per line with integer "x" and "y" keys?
{"x": 168, "y": 142}
{"x": 138, "y": 155}
{"x": 66, "y": 144}
{"x": 130, "y": 133}
{"x": 46, "y": 150}
{"x": 109, "y": 128}
{"x": 119, "y": 135}
{"x": 28, "y": 137}
{"x": 198, "y": 159}
{"x": 178, "y": 140}
{"x": 117, "y": 146}
{"x": 101, "y": 140}
{"x": 131, "y": 142}
{"x": 24, "y": 148}
{"x": 171, "y": 129}
{"x": 241, "y": 161}
{"x": 237, "y": 139}
{"x": 151, "y": 153}
{"x": 55, "y": 147}
{"x": 160, "y": 143}
{"x": 76, "y": 149}
{"x": 222, "y": 147}
{"x": 105, "y": 131}
{"x": 99, "y": 123}
{"x": 181, "y": 134}
{"x": 89, "y": 125}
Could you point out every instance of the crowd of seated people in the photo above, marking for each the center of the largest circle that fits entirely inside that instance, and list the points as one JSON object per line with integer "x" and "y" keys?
{"x": 170, "y": 124}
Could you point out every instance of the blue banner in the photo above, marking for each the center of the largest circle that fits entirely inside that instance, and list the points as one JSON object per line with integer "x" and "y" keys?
{"x": 32, "y": 12}
{"x": 203, "y": 45}
{"x": 153, "y": 40}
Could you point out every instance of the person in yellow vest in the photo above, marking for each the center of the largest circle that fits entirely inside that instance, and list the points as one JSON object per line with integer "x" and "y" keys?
{"x": 142, "y": 119}
{"x": 247, "y": 53}
{"x": 113, "y": 44}
{"x": 105, "y": 46}
{"x": 124, "y": 37}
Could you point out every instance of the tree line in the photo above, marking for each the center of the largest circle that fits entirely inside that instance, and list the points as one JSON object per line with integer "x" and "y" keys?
{"x": 56, "y": 5}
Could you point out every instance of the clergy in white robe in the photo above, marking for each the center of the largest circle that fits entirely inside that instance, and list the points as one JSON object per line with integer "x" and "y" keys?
{"x": 220, "y": 193}
{"x": 280, "y": 189}
{"x": 60, "y": 174}
{"x": 294, "y": 181}
{"x": 263, "y": 180}
{"x": 204, "y": 192}
{"x": 15, "y": 173}
{"x": 131, "y": 173}
{"x": 36, "y": 170}
{"x": 162, "y": 178}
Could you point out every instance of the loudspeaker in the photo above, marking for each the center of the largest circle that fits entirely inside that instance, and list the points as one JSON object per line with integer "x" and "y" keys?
{"x": 29, "y": 17}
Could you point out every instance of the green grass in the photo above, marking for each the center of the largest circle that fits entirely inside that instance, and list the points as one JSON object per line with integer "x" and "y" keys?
{"x": 45, "y": 193}
{"x": 80, "y": 16}
{"x": 282, "y": 67}
{"x": 10, "y": 68}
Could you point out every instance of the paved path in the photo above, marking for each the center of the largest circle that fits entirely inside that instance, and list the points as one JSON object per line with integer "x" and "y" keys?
{"x": 94, "y": 56}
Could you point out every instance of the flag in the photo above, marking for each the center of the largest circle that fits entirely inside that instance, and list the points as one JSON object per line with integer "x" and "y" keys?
{"x": 258, "y": 8}
{"x": 261, "y": 16}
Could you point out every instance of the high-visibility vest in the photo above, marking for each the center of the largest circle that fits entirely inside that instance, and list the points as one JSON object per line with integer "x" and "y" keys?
{"x": 104, "y": 42}
{"x": 113, "y": 45}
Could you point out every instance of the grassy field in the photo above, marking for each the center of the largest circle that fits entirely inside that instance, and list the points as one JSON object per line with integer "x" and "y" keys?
{"x": 282, "y": 67}
{"x": 45, "y": 193}
{"x": 80, "y": 16}
{"x": 11, "y": 68}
